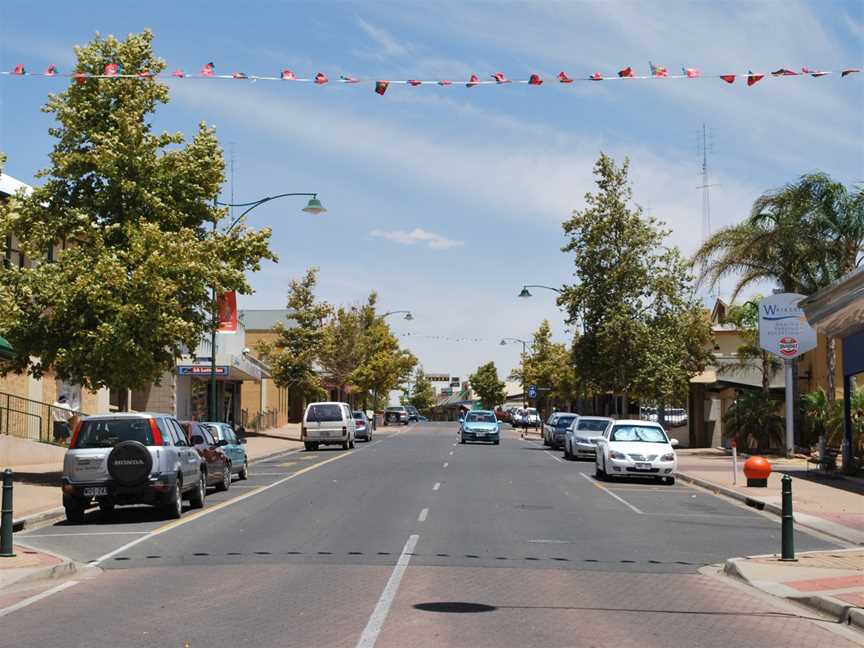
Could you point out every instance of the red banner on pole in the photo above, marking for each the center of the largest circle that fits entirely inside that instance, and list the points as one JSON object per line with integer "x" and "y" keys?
{"x": 227, "y": 304}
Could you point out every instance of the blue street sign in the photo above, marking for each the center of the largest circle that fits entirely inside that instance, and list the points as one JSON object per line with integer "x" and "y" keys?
{"x": 532, "y": 391}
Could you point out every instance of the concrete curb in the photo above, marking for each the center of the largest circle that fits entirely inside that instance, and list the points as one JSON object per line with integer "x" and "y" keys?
{"x": 841, "y": 612}
{"x": 756, "y": 503}
{"x": 42, "y": 517}
{"x": 66, "y": 569}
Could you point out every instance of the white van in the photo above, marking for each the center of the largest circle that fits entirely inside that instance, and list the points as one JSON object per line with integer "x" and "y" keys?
{"x": 328, "y": 424}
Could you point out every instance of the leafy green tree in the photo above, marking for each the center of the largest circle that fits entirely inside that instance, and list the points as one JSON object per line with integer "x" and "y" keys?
{"x": 385, "y": 366}
{"x": 420, "y": 394}
{"x": 340, "y": 352}
{"x": 120, "y": 235}
{"x": 293, "y": 355}
{"x": 642, "y": 329}
{"x": 549, "y": 365}
{"x": 484, "y": 382}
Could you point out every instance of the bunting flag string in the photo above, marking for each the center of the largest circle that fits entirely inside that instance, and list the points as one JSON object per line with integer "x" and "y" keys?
{"x": 208, "y": 71}
{"x": 443, "y": 338}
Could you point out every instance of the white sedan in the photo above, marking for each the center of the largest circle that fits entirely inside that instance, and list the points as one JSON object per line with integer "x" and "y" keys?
{"x": 636, "y": 449}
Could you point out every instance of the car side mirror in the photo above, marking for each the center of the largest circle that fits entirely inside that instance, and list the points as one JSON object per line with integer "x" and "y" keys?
{"x": 197, "y": 439}
{"x": 673, "y": 443}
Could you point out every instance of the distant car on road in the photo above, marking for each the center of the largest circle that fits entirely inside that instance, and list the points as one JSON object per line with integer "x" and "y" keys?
{"x": 364, "y": 426}
{"x": 555, "y": 429}
{"x": 217, "y": 467}
{"x": 582, "y": 436}
{"x": 633, "y": 448}
{"x": 328, "y": 423}
{"x": 413, "y": 413}
{"x": 139, "y": 458}
{"x": 232, "y": 446}
{"x": 503, "y": 415}
{"x": 396, "y": 415}
{"x": 479, "y": 425}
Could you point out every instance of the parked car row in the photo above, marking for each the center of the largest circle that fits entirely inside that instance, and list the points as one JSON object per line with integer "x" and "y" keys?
{"x": 527, "y": 417}
{"x": 146, "y": 458}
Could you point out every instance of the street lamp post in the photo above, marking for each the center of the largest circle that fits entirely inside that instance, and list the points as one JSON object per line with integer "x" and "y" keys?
{"x": 314, "y": 206}
{"x": 524, "y": 353}
{"x": 408, "y": 316}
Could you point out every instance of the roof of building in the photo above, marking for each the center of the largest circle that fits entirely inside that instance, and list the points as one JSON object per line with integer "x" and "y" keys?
{"x": 838, "y": 310}
{"x": 10, "y": 185}
{"x": 264, "y": 319}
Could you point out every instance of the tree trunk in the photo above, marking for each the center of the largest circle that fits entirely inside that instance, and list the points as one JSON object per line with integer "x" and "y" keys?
{"x": 831, "y": 364}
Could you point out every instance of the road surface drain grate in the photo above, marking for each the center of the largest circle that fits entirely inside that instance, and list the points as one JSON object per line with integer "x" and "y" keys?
{"x": 201, "y": 553}
{"x": 122, "y": 558}
{"x": 455, "y": 607}
{"x": 233, "y": 553}
{"x": 325, "y": 553}
{"x": 382, "y": 553}
{"x": 262, "y": 553}
{"x": 355, "y": 553}
{"x": 152, "y": 557}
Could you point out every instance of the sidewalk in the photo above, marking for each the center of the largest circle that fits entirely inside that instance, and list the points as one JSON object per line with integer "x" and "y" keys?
{"x": 832, "y": 505}
{"x": 830, "y": 581}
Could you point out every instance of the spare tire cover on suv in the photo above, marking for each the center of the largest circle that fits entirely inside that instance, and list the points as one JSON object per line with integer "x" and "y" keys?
{"x": 130, "y": 463}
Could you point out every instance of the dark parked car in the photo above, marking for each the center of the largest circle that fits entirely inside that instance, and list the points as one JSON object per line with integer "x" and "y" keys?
{"x": 396, "y": 415}
{"x": 217, "y": 468}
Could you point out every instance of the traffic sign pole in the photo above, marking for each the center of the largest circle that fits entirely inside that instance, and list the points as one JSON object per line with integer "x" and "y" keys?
{"x": 790, "y": 407}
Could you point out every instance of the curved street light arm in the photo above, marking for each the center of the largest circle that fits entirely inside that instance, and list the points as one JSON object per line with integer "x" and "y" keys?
{"x": 256, "y": 203}
{"x": 558, "y": 290}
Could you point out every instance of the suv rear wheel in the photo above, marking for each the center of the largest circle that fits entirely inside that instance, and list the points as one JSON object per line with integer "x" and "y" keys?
{"x": 173, "y": 506}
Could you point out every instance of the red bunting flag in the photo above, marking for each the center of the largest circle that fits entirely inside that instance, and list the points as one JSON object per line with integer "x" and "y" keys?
{"x": 80, "y": 78}
{"x": 691, "y": 73}
{"x": 349, "y": 79}
{"x": 178, "y": 73}
{"x": 753, "y": 79}
{"x": 381, "y": 87}
{"x": 287, "y": 75}
{"x": 563, "y": 78}
{"x": 849, "y": 71}
{"x": 414, "y": 82}
{"x": 239, "y": 75}
{"x": 596, "y": 77}
{"x": 112, "y": 70}
{"x": 814, "y": 73}
{"x": 728, "y": 78}
{"x": 51, "y": 71}
{"x": 445, "y": 82}
{"x": 473, "y": 81}
{"x": 626, "y": 73}
{"x": 784, "y": 72}
{"x": 321, "y": 78}
{"x": 500, "y": 78}
{"x": 535, "y": 80}
{"x": 19, "y": 70}
{"x": 145, "y": 74}
{"x": 207, "y": 70}
{"x": 658, "y": 70}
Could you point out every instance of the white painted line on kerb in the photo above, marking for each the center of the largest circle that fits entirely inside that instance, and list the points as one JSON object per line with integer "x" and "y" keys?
{"x": 445, "y": 464}
{"x": 95, "y": 533}
{"x": 451, "y": 453}
{"x": 379, "y": 614}
{"x": 620, "y": 499}
{"x": 436, "y": 486}
{"x": 423, "y": 514}
{"x": 37, "y": 597}
{"x": 558, "y": 459}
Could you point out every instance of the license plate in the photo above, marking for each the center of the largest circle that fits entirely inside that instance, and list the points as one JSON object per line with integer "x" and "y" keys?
{"x": 95, "y": 491}
{"x": 643, "y": 466}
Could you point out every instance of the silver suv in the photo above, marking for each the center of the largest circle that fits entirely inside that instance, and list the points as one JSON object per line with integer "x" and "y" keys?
{"x": 135, "y": 458}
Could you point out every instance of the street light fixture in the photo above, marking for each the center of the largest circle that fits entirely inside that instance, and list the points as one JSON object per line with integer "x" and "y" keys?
{"x": 524, "y": 293}
{"x": 408, "y": 316}
{"x": 314, "y": 206}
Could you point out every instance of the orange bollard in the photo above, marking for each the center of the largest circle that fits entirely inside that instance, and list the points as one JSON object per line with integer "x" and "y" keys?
{"x": 757, "y": 470}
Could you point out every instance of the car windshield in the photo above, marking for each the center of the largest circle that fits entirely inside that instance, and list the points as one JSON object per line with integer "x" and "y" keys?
{"x": 106, "y": 433}
{"x": 217, "y": 430}
{"x": 643, "y": 433}
{"x": 591, "y": 426}
{"x": 480, "y": 417}
{"x": 326, "y": 412}
{"x": 395, "y": 409}
{"x": 564, "y": 421}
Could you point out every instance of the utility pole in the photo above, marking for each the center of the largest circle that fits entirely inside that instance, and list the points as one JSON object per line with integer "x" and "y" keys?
{"x": 706, "y": 145}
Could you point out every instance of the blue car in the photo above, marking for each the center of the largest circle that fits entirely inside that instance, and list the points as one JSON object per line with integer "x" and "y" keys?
{"x": 232, "y": 446}
{"x": 480, "y": 425}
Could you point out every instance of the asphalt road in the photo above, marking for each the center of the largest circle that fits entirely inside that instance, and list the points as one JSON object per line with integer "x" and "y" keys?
{"x": 415, "y": 541}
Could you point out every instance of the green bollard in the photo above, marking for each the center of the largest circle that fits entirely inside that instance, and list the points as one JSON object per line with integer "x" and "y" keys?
{"x": 6, "y": 517}
{"x": 788, "y": 522}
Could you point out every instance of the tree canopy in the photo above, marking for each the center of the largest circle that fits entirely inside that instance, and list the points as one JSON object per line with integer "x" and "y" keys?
{"x": 420, "y": 392}
{"x": 485, "y": 383}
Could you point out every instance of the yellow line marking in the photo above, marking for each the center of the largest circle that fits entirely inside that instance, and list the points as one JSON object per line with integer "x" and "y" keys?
{"x": 286, "y": 464}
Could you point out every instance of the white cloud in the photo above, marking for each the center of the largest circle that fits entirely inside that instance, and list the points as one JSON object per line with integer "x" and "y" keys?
{"x": 388, "y": 46}
{"x": 417, "y": 235}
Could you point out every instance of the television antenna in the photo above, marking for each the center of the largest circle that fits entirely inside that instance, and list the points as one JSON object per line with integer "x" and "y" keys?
{"x": 706, "y": 146}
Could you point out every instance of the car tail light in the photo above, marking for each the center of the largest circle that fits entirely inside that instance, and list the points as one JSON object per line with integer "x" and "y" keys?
{"x": 157, "y": 434}
{"x": 344, "y": 430}
{"x": 75, "y": 432}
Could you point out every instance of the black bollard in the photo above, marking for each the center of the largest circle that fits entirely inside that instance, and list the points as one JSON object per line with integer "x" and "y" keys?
{"x": 788, "y": 522}
{"x": 6, "y": 517}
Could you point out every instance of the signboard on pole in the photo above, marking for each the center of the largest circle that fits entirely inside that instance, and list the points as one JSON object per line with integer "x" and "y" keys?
{"x": 201, "y": 370}
{"x": 532, "y": 392}
{"x": 783, "y": 328}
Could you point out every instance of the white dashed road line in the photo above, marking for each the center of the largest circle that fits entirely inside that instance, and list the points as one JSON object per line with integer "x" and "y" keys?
{"x": 558, "y": 459}
{"x": 436, "y": 486}
{"x": 423, "y": 514}
{"x": 445, "y": 464}
{"x": 617, "y": 497}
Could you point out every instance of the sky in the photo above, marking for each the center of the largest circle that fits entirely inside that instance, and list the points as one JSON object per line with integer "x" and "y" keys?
{"x": 446, "y": 200}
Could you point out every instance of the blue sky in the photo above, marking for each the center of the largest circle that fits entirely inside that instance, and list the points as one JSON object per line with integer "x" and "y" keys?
{"x": 487, "y": 174}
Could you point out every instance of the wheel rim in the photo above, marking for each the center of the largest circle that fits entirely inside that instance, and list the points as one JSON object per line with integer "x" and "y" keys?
{"x": 178, "y": 500}
{"x": 226, "y": 478}
{"x": 202, "y": 488}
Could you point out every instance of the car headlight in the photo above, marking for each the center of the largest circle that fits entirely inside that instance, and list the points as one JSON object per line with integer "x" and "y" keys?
{"x": 668, "y": 457}
{"x": 582, "y": 440}
{"x": 614, "y": 454}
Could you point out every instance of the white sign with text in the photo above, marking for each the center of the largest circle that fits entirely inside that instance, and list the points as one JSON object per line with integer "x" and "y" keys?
{"x": 783, "y": 328}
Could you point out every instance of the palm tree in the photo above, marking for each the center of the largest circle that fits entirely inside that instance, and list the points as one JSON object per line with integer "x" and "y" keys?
{"x": 754, "y": 414}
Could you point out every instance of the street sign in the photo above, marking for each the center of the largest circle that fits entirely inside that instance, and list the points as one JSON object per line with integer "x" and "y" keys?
{"x": 532, "y": 391}
{"x": 783, "y": 328}
{"x": 201, "y": 370}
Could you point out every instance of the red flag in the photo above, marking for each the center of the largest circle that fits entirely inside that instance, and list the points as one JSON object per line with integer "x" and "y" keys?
{"x": 227, "y": 306}
{"x": 51, "y": 71}
{"x": 753, "y": 79}
{"x": 473, "y": 81}
{"x": 414, "y": 82}
{"x": 178, "y": 73}
{"x": 112, "y": 70}
{"x": 784, "y": 72}
{"x": 80, "y": 78}
{"x": 239, "y": 75}
{"x": 207, "y": 70}
{"x": 596, "y": 77}
{"x": 145, "y": 74}
{"x": 658, "y": 70}
{"x": 815, "y": 73}
{"x": 445, "y": 82}
{"x": 381, "y": 87}
{"x": 849, "y": 71}
{"x": 563, "y": 78}
{"x": 321, "y": 78}
{"x": 347, "y": 79}
{"x": 19, "y": 70}
{"x": 535, "y": 80}
{"x": 288, "y": 75}
{"x": 728, "y": 78}
{"x": 691, "y": 73}
{"x": 626, "y": 73}
{"x": 500, "y": 78}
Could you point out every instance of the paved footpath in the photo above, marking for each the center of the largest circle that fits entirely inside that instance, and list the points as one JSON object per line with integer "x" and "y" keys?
{"x": 412, "y": 540}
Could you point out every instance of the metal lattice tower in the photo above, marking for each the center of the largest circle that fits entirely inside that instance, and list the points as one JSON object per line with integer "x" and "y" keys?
{"x": 705, "y": 146}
